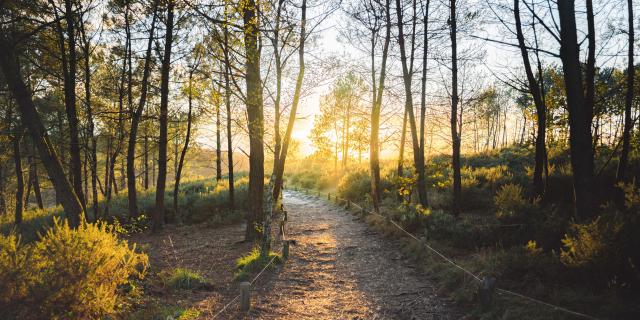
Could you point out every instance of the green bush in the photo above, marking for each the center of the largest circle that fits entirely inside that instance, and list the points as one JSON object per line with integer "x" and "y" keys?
{"x": 181, "y": 278}
{"x": 68, "y": 273}
{"x": 509, "y": 200}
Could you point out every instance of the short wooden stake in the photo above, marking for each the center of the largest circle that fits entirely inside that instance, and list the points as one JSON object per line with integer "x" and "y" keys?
{"x": 328, "y": 195}
{"x": 285, "y": 249}
{"x": 348, "y": 204}
{"x": 245, "y": 296}
{"x": 485, "y": 292}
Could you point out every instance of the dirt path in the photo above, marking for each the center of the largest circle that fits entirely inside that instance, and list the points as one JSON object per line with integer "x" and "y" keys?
{"x": 339, "y": 269}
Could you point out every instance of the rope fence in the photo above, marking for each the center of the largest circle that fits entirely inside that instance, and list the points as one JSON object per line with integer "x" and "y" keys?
{"x": 487, "y": 283}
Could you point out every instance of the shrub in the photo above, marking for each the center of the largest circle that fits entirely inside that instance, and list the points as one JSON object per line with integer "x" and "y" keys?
{"x": 509, "y": 200}
{"x": 68, "y": 273}
{"x": 589, "y": 245}
{"x": 355, "y": 186}
{"x": 181, "y": 278}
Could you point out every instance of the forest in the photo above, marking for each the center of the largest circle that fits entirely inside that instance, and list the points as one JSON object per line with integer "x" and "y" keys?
{"x": 310, "y": 159}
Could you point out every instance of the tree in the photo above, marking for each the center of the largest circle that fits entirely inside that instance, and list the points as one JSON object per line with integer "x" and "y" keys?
{"x": 135, "y": 121}
{"x": 541, "y": 111}
{"x": 255, "y": 118}
{"x": 282, "y": 157}
{"x": 455, "y": 136}
{"x": 159, "y": 213}
{"x": 579, "y": 113}
{"x": 621, "y": 175}
{"x": 407, "y": 71}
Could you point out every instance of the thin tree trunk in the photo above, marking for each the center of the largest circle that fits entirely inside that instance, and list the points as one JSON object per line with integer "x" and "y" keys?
{"x": 135, "y": 122}
{"x": 218, "y": 145}
{"x": 418, "y": 159}
{"x": 374, "y": 148}
{"x": 541, "y": 110}
{"x": 621, "y": 175}
{"x": 279, "y": 172}
{"x": 455, "y": 138}
{"x": 227, "y": 102}
{"x": 183, "y": 153}
{"x": 159, "y": 212}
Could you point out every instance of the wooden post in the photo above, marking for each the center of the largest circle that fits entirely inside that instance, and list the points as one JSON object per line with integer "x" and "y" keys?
{"x": 485, "y": 291}
{"x": 285, "y": 249}
{"x": 328, "y": 195}
{"x": 348, "y": 204}
{"x": 245, "y": 296}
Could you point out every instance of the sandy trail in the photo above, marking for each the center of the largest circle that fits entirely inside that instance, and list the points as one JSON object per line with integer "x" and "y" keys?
{"x": 340, "y": 269}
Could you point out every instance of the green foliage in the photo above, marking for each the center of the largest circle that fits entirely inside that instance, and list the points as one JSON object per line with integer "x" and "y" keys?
{"x": 590, "y": 244}
{"x": 509, "y": 200}
{"x": 68, "y": 273}
{"x": 253, "y": 262}
{"x": 181, "y": 278}
{"x": 355, "y": 186}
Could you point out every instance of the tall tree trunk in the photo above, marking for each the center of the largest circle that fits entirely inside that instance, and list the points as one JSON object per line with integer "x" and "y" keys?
{"x": 69, "y": 75}
{"x": 279, "y": 172}
{"x": 227, "y": 102}
{"x": 374, "y": 148}
{"x": 418, "y": 159}
{"x": 159, "y": 212}
{"x": 621, "y": 175}
{"x": 183, "y": 153}
{"x": 30, "y": 118}
{"x": 541, "y": 110}
{"x": 455, "y": 136}
{"x": 423, "y": 98}
{"x": 255, "y": 119}
{"x": 579, "y": 113}
{"x": 218, "y": 145}
{"x": 17, "y": 158}
{"x": 135, "y": 122}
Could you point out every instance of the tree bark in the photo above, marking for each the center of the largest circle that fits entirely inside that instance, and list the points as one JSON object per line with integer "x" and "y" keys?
{"x": 455, "y": 137}
{"x": 159, "y": 212}
{"x": 579, "y": 113}
{"x": 218, "y": 145}
{"x": 255, "y": 119}
{"x": 227, "y": 102}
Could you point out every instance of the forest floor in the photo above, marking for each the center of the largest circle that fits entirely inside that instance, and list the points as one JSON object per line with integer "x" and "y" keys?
{"x": 338, "y": 269}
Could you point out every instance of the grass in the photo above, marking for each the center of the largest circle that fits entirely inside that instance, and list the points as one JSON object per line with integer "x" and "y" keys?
{"x": 254, "y": 262}
{"x": 184, "y": 279}
{"x": 160, "y": 311}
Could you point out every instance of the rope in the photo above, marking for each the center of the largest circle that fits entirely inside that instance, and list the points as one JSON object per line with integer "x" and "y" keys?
{"x": 263, "y": 269}
{"x": 225, "y": 307}
{"x": 502, "y": 291}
